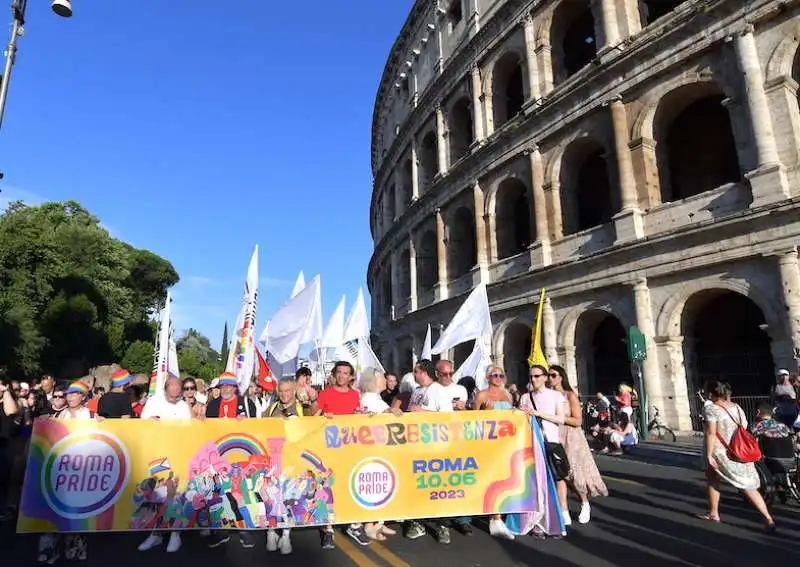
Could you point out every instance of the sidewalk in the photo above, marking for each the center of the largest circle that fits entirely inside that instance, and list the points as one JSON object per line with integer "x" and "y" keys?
{"x": 686, "y": 452}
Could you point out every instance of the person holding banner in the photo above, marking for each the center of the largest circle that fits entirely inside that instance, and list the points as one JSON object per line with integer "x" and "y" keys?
{"x": 74, "y": 544}
{"x": 548, "y": 406}
{"x": 340, "y": 399}
{"x": 229, "y": 405}
{"x": 496, "y": 397}
{"x": 169, "y": 406}
{"x": 287, "y": 407}
{"x": 428, "y": 396}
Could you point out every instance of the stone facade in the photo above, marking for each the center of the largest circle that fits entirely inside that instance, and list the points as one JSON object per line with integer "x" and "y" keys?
{"x": 639, "y": 159}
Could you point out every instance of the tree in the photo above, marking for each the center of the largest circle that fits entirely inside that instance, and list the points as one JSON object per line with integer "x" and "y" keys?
{"x": 195, "y": 355}
{"x": 223, "y": 351}
{"x": 71, "y": 296}
{"x": 138, "y": 358}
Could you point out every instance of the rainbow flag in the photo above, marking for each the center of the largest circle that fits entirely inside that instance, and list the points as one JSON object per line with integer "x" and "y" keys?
{"x": 547, "y": 516}
{"x": 159, "y": 466}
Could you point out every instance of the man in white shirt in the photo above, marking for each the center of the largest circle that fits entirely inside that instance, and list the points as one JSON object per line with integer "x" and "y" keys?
{"x": 167, "y": 407}
{"x": 429, "y": 395}
{"x": 458, "y": 394}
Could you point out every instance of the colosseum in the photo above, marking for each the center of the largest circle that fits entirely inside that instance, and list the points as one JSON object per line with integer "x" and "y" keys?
{"x": 639, "y": 159}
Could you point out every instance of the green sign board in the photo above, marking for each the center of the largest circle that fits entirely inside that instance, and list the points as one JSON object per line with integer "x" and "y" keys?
{"x": 637, "y": 346}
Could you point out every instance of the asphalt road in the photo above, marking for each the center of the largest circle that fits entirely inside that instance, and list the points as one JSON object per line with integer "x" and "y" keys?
{"x": 647, "y": 519}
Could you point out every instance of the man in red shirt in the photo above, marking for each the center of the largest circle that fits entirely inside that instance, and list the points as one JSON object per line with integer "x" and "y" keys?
{"x": 340, "y": 399}
{"x": 230, "y": 405}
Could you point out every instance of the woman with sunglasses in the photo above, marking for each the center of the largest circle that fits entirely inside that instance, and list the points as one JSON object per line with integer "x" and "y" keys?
{"x": 585, "y": 478}
{"x": 189, "y": 396}
{"x": 496, "y": 397}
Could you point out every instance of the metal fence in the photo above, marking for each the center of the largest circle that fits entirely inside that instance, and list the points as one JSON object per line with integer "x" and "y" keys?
{"x": 748, "y": 403}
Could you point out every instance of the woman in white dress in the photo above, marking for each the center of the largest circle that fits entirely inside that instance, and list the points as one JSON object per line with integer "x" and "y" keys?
{"x": 722, "y": 418}
{"x": 371, "y": 384}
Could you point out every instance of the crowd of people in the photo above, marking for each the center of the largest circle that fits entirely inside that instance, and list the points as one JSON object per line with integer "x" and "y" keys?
{"x": 430, "y": 387}
{"x": 549, "y": 398}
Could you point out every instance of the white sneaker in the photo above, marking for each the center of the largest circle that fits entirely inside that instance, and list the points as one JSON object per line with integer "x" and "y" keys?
{"x": 586, "y": 513}
{"x": 498, "y": 528}
{"x": 152, "y": 541}
{"x": 272, "y": 540}
{"x": 566, "y": 517}
{"x": 174, "y": 542}
{"x": 285, "y": 545}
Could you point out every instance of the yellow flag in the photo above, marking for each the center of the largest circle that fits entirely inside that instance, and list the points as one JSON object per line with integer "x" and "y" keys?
{"x": 537, "y": 354}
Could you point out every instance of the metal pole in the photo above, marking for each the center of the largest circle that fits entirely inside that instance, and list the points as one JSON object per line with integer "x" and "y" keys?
{"x": 643, "y": 409}
{"x": 18, "y": 11}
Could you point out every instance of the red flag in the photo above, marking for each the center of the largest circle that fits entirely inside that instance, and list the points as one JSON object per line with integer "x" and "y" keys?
{"x": 265, "y": 379}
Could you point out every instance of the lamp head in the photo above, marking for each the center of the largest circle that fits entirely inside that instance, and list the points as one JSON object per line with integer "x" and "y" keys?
{"x": 62, "y": 7}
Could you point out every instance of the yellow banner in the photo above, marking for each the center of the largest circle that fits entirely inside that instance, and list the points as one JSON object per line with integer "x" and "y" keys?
{"x": 122, "y": 475}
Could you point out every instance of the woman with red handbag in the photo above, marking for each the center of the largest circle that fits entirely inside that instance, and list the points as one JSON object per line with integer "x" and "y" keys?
{"x": 730, "y": 452}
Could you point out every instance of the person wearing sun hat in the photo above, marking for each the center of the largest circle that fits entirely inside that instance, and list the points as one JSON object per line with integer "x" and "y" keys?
{"x": 117, "y": 402}
{"x": 74, "y": 544}
{"x": 231, "y": 405}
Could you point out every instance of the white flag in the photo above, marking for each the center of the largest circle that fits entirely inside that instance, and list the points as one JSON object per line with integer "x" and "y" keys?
{"x": 471, "y": 322}
{"x": 476, "y": 365}
{"x": 299, "y": 284}
{"x": 367, "y": 358}
{"x": 285, "y": 332}
{"x": 426, "y": 346}
{"x": 357, "y": 325}
{"x": 158, "y": 376}
{"x": 241, "y": 360}
{"x": 334, "y": 332}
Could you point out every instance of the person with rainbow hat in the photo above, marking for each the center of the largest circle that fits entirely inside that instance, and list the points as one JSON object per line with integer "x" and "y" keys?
{"x": 117, "y": 402}
{"x": 74, "y": 544}
{"x": 229, "y": 405}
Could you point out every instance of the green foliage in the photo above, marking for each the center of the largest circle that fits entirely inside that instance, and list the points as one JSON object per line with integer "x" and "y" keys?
{"x": 71, "y": 296}
{"x": 223, "y": 352}
{"x": 138, "y": 358}
{"x": 196, "y": 357}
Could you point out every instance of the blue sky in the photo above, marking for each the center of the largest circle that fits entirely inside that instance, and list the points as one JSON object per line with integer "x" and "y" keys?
{"x": 197, "y": 131}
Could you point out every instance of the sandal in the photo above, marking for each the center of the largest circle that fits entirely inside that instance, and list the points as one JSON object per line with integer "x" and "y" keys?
{"x": 386, "y": 531}
{"x": 708, "y": 517}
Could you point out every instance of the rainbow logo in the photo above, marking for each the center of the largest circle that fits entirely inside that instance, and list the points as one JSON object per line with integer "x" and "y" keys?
{"x": 237, "y": 444}
{"x": 517, "y": 492}
{"x": 373, "y": 483}
{"x": 84, "y": 474}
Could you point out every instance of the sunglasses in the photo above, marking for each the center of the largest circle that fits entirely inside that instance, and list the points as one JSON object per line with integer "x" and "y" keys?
{"x": 59, "y": 396}
{"x": 554, "y": 375}
{"x": 497, "y": 375}
{"x": 189, "y": 388}
{"x": 536, "y": 375}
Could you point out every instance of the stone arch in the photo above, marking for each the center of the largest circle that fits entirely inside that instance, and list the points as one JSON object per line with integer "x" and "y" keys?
{"x": 572, "y": 38}
{"x": 782, "y": 58}
{"x": 668, "y": 320}
{"x": 428, "y": 159}
{"x": 601, "y": 353}
{"x": 460, "y": 128}
{"x": 642, "y": 127}
{"x": 516, "y": 349}
{"x": 427, "y": 261}
{"x": 403, "y": 279}
{"x": 726, "y": 337}
{"x": 652, "y": 10}
{"x": 507, "y": 87}
{"x": 462, "y": 247}
{"x": 583, "y": 174}
{"x": 510, "y": 203}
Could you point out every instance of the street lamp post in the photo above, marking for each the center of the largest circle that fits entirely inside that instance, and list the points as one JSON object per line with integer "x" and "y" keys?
{"x": 61, "y": 7}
